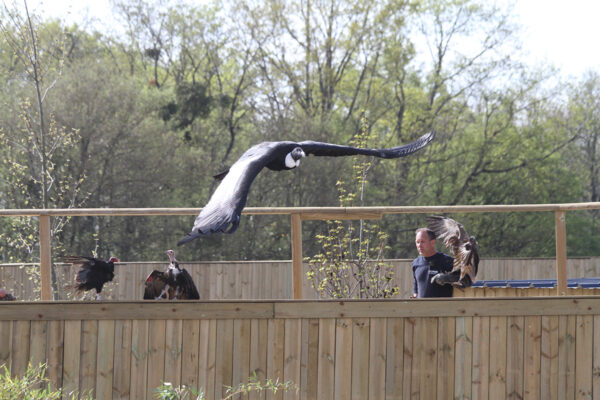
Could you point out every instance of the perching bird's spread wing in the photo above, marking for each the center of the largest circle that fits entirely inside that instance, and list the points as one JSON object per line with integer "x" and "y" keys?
{"x": 186, "y": 286}
{"x": 93, "y": 273}
{"x": 154, "y": 285}
{"x": 222, "y": 212}
{"x": 463, "y": 246}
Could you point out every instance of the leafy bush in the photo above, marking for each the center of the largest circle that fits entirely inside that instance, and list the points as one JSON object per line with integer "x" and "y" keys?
{"x": 32, "y": 385}
{"x": 169, "y": 392}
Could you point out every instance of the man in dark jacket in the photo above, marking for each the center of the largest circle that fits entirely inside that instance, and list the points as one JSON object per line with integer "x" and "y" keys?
{"x": 428, "y": 264}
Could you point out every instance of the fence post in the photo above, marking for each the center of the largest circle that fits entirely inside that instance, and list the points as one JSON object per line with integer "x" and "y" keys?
{"x": 296, "y": 255}
{"x": 561, "y": 252}
{"x": 45, "y": 257}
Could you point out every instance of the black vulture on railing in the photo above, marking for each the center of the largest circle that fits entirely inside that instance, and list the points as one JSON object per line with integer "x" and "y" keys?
{"x": 93, "y": 273}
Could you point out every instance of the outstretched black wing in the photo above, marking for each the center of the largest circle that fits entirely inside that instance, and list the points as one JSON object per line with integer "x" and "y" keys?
{"x": 223, "y": 210}
{"x": 93, "y": 273}
{"x": 186, "y": 286}
{"x": 336, "y": 150}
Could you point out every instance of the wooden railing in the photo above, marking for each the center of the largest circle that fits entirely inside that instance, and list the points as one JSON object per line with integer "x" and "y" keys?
{"x": 299, "y": 214}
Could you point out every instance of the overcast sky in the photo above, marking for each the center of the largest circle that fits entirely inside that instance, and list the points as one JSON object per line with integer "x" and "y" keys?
{"x": 564, "y": 33}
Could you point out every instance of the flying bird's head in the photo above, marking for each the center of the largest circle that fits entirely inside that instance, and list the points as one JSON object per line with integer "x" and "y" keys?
{"x": 292, "y": 159}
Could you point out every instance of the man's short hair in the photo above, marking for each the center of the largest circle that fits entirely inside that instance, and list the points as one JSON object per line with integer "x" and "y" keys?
{"x": 429, "y": 232}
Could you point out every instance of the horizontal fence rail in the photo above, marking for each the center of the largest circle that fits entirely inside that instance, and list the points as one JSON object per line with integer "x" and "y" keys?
{"x": 299, "y": 214}
{"x": 537, "y": 348}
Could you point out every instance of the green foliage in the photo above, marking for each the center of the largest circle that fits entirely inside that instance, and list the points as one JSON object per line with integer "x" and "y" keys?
{"x": 32, "y": 385}
{"x": 350, "y": 264}
{"x": 146, "y": 118}
{"x": 168, "y": 392}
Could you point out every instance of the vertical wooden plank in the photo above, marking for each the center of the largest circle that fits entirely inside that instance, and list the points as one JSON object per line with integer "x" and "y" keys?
{"x": 463, "y": 358}
{"x": 497, "y": 385}
{"x": 258, "y": 353}
{"x": 37, "y": 342}
{"x": 514, "y": 357}
{"x": 419, "y": 338}
{"x": 156, "y": 355}
{"x": 343, "y": 358}
{"x": 310, "y": 375}
{"x": 54, "y": 349}
{"x": 394, "y": 358}
{"x": 409, "y": 358}
{"x": 122, "y": 360}
{"x": 71, "y": 357}
{"x": 360, "y": 358}
{"x": 297, "y": 256}
{"x": 596, "y": 357}
{"x": 445, "y": 362}
{"x": 549, "y": 358}
{"x": 584, "y": 350}
{"x": 45, "y": 257}
{"x": 533, "y": 350}
{"x": 326, "y": 365}
{"x": 207, "y": 357}
{"x": 292, "y": 355}
{"x": 377, "y": 360}
{"x": 566, "y": 357}
{"x": 6, "y": 330}
{"x": 275, "y": 353}
{"x": 173, "y": 353}
{"x": 20, "y": 347}
{"x": 246, "y": 281}
{"x": 190, "y": 353}
{"x": 89, "y": 353}
{"x": 481, "y": 357}
{"x": 224, "y": 357}
{"x": 139, "y": 359}
{"x": 241, "y": 352}
{"x": 561, "y": 253}
{"x": 104, "y": 368}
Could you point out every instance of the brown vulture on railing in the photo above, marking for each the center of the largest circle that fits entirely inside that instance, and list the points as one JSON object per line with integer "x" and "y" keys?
{"x": 464, "y": 248}
{"x": 174, "y": 283}
{"x": 93, "y": 273}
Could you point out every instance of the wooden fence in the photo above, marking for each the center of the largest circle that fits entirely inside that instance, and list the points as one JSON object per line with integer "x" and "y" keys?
{"x": 241, "y": 280}
{"x": 299, "y": 214}
{"x": 528, "y": 348}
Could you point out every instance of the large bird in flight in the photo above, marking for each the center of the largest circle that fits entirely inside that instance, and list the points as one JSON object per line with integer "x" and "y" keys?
{"x": 223, "y": 210}
{"x": 464, "y": 248}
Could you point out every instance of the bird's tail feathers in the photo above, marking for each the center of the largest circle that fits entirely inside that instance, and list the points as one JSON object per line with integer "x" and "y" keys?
{"x": 193, "y": 235}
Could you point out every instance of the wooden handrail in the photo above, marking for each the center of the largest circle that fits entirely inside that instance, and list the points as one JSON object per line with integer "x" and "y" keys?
{"x": 297, "y": 215}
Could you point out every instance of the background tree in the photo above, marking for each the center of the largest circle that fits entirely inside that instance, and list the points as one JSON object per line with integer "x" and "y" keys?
{"x": 140, "y": 128}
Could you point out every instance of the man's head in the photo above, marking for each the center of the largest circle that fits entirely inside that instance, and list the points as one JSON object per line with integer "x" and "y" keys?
{"x": 425, "y": 242}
